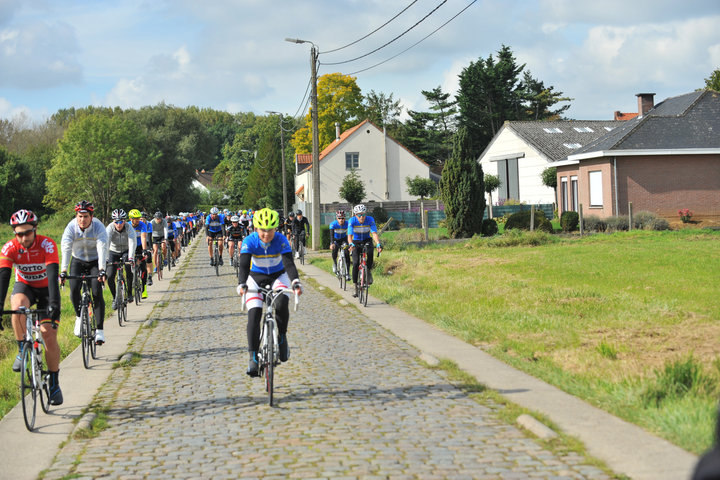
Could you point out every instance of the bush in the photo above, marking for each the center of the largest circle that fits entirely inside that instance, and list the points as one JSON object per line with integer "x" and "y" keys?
{"x": 617, "y": 224}
{"x": 489, "y": 227}
{"x": 521, "y": 220}
{"x": 645, "y": 220}
{"x": 569, "y": 221}
{"x": 380, "y": 215}
{"x": 593, "y": 223}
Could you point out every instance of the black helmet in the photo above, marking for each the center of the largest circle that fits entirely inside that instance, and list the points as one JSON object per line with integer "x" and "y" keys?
{"x": 299, "y": 212}
{"x": 158, "y": 214}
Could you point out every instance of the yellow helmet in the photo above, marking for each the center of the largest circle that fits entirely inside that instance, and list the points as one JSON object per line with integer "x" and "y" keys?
{"x": 266, "y": 219}
{"x": 134, "y": 213}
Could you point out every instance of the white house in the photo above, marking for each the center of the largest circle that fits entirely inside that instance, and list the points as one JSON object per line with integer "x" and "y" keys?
{"x": 520, "y": 152}
{"x": 380, "y": 161}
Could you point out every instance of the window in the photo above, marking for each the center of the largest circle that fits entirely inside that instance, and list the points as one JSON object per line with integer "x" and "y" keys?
{"x": 572, "y": 146}
{"x": 552, "y": 130}
{"x": 574, "y": 191}
{"x": 609, "y": 129}
{"x": 596, "y": 194}
{"x": 352, "y": 160}
{"x": 508, "y": 174}
{"x": 583, "y": 129}
{"x": 564, "y": 194}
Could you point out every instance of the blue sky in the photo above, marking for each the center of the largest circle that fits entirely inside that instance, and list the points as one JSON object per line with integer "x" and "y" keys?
{"x": 231, "y": 54}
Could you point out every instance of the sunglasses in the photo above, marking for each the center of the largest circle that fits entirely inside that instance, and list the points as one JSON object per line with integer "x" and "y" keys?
{"x": 119, "y": 222}
{"x": 361, "y": 215}
{"x": 24, "y": 233}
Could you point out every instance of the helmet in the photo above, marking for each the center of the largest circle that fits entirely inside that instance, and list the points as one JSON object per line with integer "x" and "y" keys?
{"x": 360, "y": 208}
{"x": 234, "y": 218}
{"x": 158, "y": 214}
{"x": 144, "y": 215}
{"x": 21, "y": 217}
{"x": 119, "y": 214}
{"x": 244, "y": 212}
{"x": 214, "y": 211}
{"x": 291, "y": 215}
{"x": 85, "y": 206}
{"x": 340, "y": 214}
{"x": 266, "y": 219}
{"x": 299, "y": 212}
{"x": 134, "y": 213}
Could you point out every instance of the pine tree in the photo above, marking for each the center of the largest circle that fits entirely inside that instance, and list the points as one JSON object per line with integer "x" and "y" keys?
{"x": 462, "y": 189}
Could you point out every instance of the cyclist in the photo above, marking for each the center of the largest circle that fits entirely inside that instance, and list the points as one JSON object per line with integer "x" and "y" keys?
{"x": 300, "y": 227}
{"x": 362, "y": 231}
{"x": 235, "y": 235}
{"x": 84, "y": 241}
{"x": 215, "y": 229}
{"x": 36, "y": 281}
{"x": 266, "y": 259}
{"x": 245, "y": 221}
{"x": 287, "y": 226}
{"x": 338, "y": 238}
{"x": 141, "y": 249}
{"x": 121, "y": 241}
{"x": 159, "y": 230}
{"x": 172, "y": 236}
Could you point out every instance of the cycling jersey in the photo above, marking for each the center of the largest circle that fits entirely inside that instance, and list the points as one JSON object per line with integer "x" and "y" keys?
{"x": 339, "y": 232}
{"x": 361, "y": 230}
{"x": 172, "y": 231}
{"x": 236, "y": 233}
{"x": 31, "y": 264}
{"x": 267, "y": 260}
{"x": 300, "y": 225}
{"x": 120, "y": 242}
{"x": 141, "y": 228}
{"x": 86, "y": 245}
{"x": 215, "y": 225}
{"x": 159, "y": 229}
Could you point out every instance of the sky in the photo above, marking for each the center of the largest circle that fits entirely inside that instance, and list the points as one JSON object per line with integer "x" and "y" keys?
{"x": 232, "y": 55}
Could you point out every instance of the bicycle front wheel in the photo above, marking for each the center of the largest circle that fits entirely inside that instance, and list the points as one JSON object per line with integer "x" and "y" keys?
{"x": 120, "y": 302}
{"x": 270, "y": 366}
{"x": 216, "y": 255}
{"x": 137, "y": 287}
{"x": 92, "y": 329}
{"x": 28, "y": 389}
{"x": 85, "y": 335}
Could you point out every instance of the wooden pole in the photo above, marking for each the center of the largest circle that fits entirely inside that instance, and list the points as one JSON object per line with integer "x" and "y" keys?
{"x": 580, "y": 214}
{"x": 532, "y": 217}
{"x": 630, "y": 216}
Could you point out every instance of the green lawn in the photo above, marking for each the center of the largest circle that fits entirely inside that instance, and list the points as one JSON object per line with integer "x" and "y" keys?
{"x": 627, "y": 321}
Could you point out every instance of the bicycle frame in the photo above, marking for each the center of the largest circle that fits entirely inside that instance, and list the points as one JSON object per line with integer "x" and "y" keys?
{"x": 88, "y": 328}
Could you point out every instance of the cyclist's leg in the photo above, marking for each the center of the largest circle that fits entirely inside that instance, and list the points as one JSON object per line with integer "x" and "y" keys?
{"x": 111, "y": 270}
{"x": 221, "y": 243}
{"x": 48, "y": 328}
{"x": 356, "y": 260}
{"x": 209, "y": 238}
{"x": 19, "y": 298}
{"x": 97, "y": 294}
{"x": 254, "y": 303}
{"x": 334, "y": 247}
{"x": 76, "y": 268}
{"x": 128, "y": 278}
{"x": 370, "y": 254}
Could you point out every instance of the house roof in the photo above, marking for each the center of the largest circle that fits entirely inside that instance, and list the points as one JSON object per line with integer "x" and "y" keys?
{"x": 686, "y": 121}
{"x": 557, "y": 139}
{"x": 622, "y": 116}
{"x": 205, "y": 178}
{"x": 304, "y": 158}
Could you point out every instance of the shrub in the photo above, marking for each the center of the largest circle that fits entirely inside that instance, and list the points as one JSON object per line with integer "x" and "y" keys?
{"x": 569, "y": 221}
{"x": 593, "y": 223}
{"x": 645, "y": 220}
{"x": 616, "y": 224}
{"x": 521, "y": 220}
{"x": 489, "y": 227}
{"x": 380, "y": 215}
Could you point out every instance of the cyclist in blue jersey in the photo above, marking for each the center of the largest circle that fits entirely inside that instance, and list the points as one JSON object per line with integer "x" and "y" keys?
{"x": 215, "y": 228}
{"x": 141, "y": 248}
{"x": 362, "y": 231}
{"x": 338, "y": 238}
{"x": 266, "y": 259}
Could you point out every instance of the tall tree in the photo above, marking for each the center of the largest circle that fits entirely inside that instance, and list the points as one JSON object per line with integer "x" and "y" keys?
{"x": 462, "y": 189}
{"x": 538, "y": 99}
{"x": 383, "y": 111}
{"x": 339, "y": 100}
{"x": 102, "y": 159}
{"x": 15, "y": 189}
{"x": 352, "y": 189}
{"x": 713, "y": 81}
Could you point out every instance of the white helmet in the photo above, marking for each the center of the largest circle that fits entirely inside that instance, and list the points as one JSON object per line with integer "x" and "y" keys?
{"x": 214, "y": 211}
{"x": 360, "y": 208}
{"x": 235, "y": 218}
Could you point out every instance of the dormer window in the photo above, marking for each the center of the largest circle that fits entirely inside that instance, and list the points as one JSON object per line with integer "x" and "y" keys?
{"x": 583, "y": 129}
{"x": 552, "y": 130}
{"x": 572, "y": 146}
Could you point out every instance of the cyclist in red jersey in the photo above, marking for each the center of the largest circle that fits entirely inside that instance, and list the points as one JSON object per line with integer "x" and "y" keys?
{"x": 36, "y": 262}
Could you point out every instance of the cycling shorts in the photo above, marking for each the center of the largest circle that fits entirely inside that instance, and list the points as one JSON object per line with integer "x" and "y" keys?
{"x": 36, "y": 295}
{"x": 158, "y": 240}
{"x": 214, "y": 234}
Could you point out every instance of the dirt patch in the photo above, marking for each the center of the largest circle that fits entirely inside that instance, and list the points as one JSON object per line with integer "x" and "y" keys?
{"x": 394, "y": 266}
{"x": 698, "y": 221}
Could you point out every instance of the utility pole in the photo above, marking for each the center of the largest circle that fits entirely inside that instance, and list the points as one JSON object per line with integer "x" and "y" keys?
{"x": 315, "y": 144}
{"x": 282, "y": 156}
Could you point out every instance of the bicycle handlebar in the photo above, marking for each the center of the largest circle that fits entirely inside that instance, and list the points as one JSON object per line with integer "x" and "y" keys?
{"x": 266, "y": 291}
{"x": 24, "y": 311}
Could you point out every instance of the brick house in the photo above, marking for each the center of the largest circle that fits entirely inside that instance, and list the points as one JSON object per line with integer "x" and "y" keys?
{"x": 666, "y": 158}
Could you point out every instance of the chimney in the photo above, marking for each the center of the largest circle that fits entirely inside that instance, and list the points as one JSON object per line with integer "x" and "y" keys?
{"x": 337, "y": 131}
{"x": 646, "y": 101}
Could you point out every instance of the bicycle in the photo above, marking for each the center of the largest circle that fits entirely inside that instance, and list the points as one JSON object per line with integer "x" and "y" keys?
{"x": 121, "y": 293}
{"x": 216, "y": 256}
{"x": 34, "y": 376}
{"x": 268, "y": 353}
{"x": 236, "y": 258}
{"x": 363, "y": 284}
{"x": 88, "y": 326}
{"x": 342, "y": 267}
{"x": 137, "y": 280}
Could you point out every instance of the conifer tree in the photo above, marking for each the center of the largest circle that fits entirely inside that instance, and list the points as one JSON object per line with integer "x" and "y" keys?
{"x": 462, "y": 189}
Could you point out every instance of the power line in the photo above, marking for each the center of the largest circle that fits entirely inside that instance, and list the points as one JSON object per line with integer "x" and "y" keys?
{"x": 416, "y": 43}
{"x": 366, "y": 36}
{"x": 391, "y": 41}
{"x": 305, "y": 99}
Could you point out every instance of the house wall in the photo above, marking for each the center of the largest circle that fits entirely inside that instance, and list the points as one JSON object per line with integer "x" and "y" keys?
{"x": 368, "y": 142}
{"x": 582, "y": 171}
{"x": 530, "y": 167}
{"x": 665, "y": 184}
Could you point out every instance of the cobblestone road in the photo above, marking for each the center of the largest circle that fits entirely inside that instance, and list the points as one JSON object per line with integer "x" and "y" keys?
{"x": 352, "y": 402}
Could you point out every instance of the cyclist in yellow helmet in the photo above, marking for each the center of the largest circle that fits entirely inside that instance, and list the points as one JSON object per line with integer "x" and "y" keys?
{"x": 266, "y": 259}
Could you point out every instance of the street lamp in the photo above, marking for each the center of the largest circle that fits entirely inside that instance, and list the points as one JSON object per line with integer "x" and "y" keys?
{"x": 282, "y": 156}
{"x": 315, "y": 144}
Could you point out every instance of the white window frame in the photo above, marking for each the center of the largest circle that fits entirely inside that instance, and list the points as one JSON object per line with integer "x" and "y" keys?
{"x": 353, "y": 165}
{"x": 595, "y": 182}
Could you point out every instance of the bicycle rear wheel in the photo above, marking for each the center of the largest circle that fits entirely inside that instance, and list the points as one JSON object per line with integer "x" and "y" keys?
{"x": 302, "y": 254}
{"x": 85, "y": 335}
{"x": 28, "y": 390}
{"x": 43, "y": 380}
{"x": 270, "y": 366}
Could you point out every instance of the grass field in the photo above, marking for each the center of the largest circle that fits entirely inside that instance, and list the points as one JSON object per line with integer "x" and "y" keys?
{"x": 627, "y": 321}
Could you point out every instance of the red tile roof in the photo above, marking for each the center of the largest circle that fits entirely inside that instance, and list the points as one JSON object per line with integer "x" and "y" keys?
{"x": 624, "y": 116}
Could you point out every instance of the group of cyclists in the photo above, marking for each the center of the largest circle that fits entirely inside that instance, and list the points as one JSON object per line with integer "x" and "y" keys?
{"x": 96, "y": 250}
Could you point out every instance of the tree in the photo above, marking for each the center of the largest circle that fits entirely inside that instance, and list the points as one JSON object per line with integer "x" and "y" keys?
{"x": 339, "y": 100}
{"x": 713, "y": 81}
{"x": 549, "y": 178}
{"x": 102, "y": 159}
{"x": 352, "y": 189}
{"x": 383, "y": 111}
{"x": 462, "y": 189}
{"x": 492, "y": 183}
{"x": 423, "y": 188}
{"x": 538, "y": 99}
{"x": 15, "y": 188}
